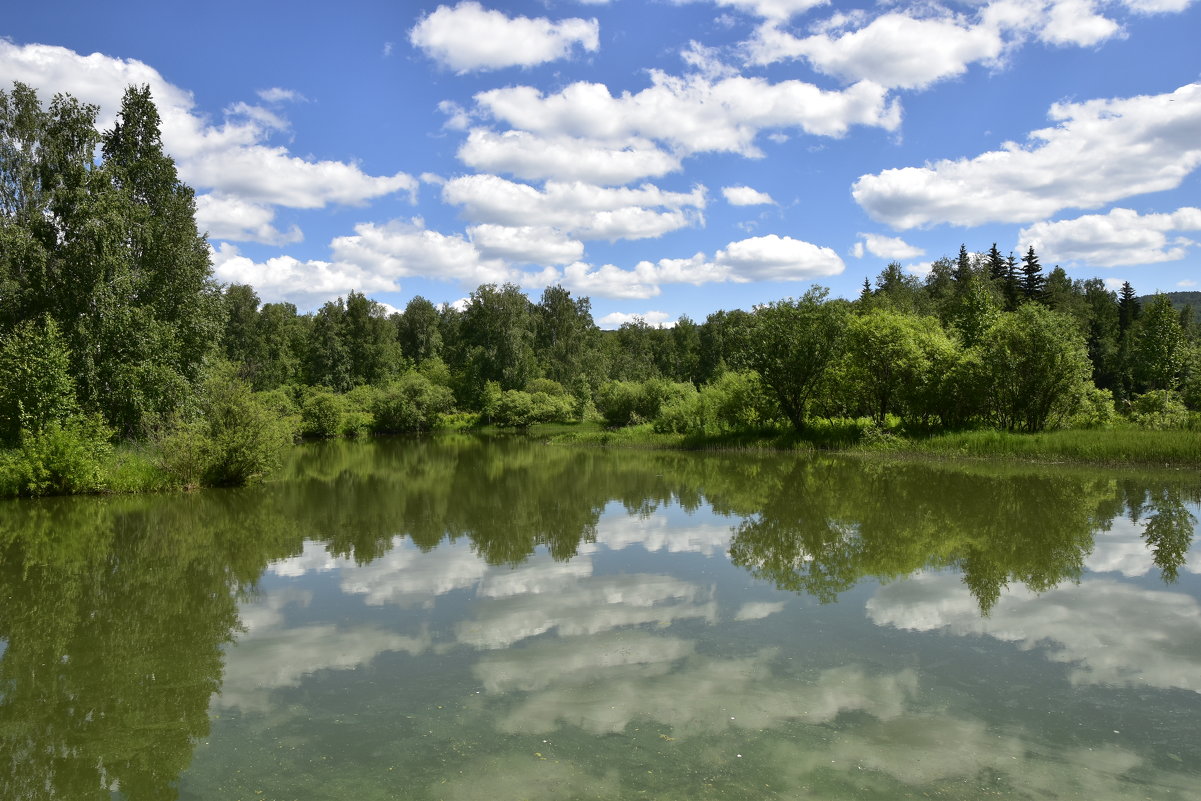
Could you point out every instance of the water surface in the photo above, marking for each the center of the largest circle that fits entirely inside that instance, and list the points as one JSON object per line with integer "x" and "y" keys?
{"x": 461, "y": 618}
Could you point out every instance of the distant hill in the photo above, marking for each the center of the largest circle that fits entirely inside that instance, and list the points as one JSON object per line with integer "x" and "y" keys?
{"x": 1179, "y": 300}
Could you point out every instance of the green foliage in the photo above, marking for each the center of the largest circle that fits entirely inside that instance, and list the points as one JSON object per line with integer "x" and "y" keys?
{"x": 517, "y": 409}
{"x": 37, "y": 388}
{"x": 791, "y": 344}
{"x": 321, "y": 413}
{"x": 1093, "y": 409}
{"x": 624, "y": 403}
{"x": 1159, "y": 350}
{"x": 735, "y": 401}
{"x": 61, "y": 458}
{"x": 1032, "y": 364}
{"x": 1159, "y": 410}
{"x": 238, "y": 440}
{"x": 411, "y": 403}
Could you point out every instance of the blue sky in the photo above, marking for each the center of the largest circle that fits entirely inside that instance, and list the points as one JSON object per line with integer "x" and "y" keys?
{"x": 662, "y": 158}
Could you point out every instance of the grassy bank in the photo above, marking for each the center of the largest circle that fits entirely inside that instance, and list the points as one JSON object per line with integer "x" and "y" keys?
{"x": 1111, "y": 446}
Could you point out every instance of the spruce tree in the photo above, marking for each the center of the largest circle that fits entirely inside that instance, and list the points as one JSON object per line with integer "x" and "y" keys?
{"x": 1032, "y": 283}
{"x": 996, "y": 265}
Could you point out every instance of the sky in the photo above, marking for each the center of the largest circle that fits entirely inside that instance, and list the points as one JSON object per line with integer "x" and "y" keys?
{"x": 663, "y": 158}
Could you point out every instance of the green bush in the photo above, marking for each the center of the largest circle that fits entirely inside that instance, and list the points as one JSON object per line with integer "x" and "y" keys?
{"x": 411, "y": 403}
{"x": 321, "y": 413}
{"x": 735, "y": 401}
{"x": 1159, "y": 410}
{"x": 624, "y": 403}
{"x": 517, "y": 409}
{"x": 1094, "y": 408}
{"x": 63, "y": 458}
{"x": 239, "y": 439}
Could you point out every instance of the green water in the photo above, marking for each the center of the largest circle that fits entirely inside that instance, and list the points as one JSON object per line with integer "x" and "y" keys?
{"x": 503, "y": 619}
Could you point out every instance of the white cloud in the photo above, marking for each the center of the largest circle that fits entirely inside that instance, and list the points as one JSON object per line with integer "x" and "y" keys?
{"x": 531, "y": 244}
{"x": 1109, "y": 632}
{"x": 407, "y": 576}
{"x": 533, "y": 157}
{"x": 770, "y": 9}
{"x": 232, "y": 158}
{"x": 577, "y": 209}
{"x": 708, "y": 696}
{"x": 1099, "y": 151}
{"x": 1116, "y": 239}
{"x": 469, "y": 37}
{"x": 707, "y": 61}
{"x": 279, "y": 95}
{"x": 692, "y": 114}
{"x": 763, "y": 258}
{"x": 745, "y": 196}
{"x": 658, "y": 534}
{"x": 405, "y": 248}
{"x": 1186, "y": 283}
{"x": 284, "y": 278}
{"x": 894, "y": 50}
{"x": 644, "y": 280}
{"x": 886, "y": 247}
{"x": 778, "y": 258}
{"x": 233, "y": 218}
{"x": 1076, "y": 22}
{"x": 757, "y": 610}
{"x": 590, "y": 606}
{"x": 618, "y": 319}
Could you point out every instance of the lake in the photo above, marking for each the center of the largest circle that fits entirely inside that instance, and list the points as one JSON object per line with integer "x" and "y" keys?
{"x": 499, "y": 618}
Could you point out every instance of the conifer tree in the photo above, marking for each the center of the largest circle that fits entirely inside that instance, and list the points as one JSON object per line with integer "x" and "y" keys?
{"x": 1032, "y": 281}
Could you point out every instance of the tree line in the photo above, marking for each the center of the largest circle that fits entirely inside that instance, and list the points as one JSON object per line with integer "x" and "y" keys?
{"x": 112, "y": 327}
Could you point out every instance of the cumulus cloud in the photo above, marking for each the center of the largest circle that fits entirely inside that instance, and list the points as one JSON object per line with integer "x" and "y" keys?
{"x": 659, "y": 534}
{"x": 770, "y": 9}
{"x": 644, "y": 280}
{"x": 778, "y": 258}
{"x": 285, "y": 278}
{"x": 239, "y": 220}
{"x": 762, "y": 258}
{"x": 692, "y": 114}
{"x": 532, "y": 244}
{"x": 277, "y": 94}
{"x": 886, "y": 247}
{"x": 745, "y": 196}
{"x": 534, "y": 157}
{"x": 578, "y": 209}
{"x": 894, "y": 50}
{"x": 589, "y": 607}
{"x": 1098, "y": 152}
{"x": 469, "y": 37}
{"x": 406, "y": 248}
{"x": 708, "y": 696}
{"x": 1109, "y": 632}
{"x": 618, "y": 319}
{"x": 233, "y": 158}
{"x": 1116, "y": 239}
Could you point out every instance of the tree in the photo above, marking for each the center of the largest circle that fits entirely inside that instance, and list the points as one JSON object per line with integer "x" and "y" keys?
{"x": 417, "y": 331}
{"x": 1159, "y": 346}
{"x": 37, "y": 388}
{"x": 997, "y": 269}
{"x": 1033, "y": 364}
{"x": 896, "y": 361}
{"x": 791, "y": 345}
{"x": 566, "y": 338}
{"x": 370, "y": 341}
{"x": 497, "y": 335}
{"x": 1032, "y": 282}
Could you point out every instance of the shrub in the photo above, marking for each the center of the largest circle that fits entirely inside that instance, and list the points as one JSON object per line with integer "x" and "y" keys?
{"x": 321, "y": 413}
{"x": 1094, "y": 408}
{"x": 239, "y": 439}
{"x": 517, "y": 409}
{"x": 411, "y": 403}
{"x": 1158, "y": 410}
{"x": 624, "y": 403}
{"x": 63, "y": 458}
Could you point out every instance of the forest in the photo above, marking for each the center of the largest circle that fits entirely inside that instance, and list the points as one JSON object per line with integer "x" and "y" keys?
{"x": 126, "y": 366}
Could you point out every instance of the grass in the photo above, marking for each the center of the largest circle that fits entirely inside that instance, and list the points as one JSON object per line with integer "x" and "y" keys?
{"x": 1111, "y": 446}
